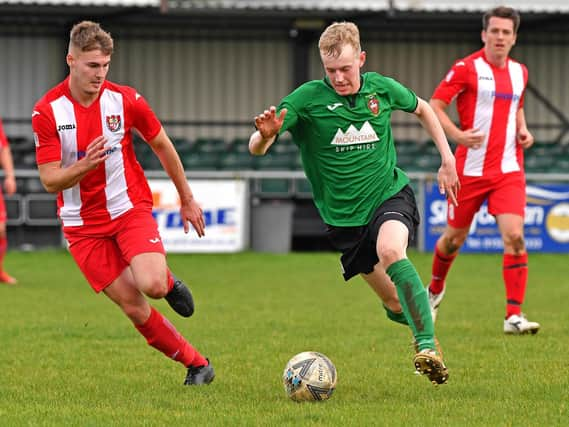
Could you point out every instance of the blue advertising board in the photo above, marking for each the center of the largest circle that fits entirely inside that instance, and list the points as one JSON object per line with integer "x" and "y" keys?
{"x": 546, "y": 225}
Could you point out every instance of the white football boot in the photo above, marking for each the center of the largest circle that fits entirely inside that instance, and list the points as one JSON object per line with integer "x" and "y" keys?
{"x": 519, "y": 325}
{"x": 434, "y": 302}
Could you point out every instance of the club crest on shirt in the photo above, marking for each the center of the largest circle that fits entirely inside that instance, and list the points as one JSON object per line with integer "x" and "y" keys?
{"x": 373, "y": 104}
{"x": 113, "y": 122}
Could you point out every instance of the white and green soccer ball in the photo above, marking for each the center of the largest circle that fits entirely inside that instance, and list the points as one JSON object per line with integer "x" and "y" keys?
{"x": 309, "y": 376}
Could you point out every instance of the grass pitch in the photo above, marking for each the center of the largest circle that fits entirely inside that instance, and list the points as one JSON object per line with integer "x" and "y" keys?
{"x": 69, "y": 357}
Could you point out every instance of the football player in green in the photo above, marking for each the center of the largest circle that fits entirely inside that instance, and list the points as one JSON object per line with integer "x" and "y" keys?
{"x": 342, "y": 126}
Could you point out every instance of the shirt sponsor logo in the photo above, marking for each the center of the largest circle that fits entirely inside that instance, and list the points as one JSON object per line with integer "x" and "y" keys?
{"x": 113, "y": 122}
{"x": 82, "y": 153}
{"x": 332, "y": 107}
{"x": 354, "y": 136}
{"x": 506, "y": 96}
{"x": 65, "y": 127}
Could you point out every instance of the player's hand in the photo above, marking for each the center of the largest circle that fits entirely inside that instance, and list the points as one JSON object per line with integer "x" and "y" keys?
{"x": 448, "y": 181}
{"x": 96, "y": 153}
{"x": 268, "y": 123}
{"x": 472, "y": 138}
{"x": 525, "y": 138}
{"x": 192, "y": 212}
{"x": 10, "y": 185}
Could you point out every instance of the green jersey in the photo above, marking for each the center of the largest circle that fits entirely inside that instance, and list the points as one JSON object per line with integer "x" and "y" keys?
{"x": 346, "y": 145}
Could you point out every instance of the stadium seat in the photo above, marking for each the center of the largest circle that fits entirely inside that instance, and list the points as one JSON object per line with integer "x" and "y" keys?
{"x": 28, "y": 160}
{"x": 239, "y": 145}
{"x": 406, "y": 161}
{"x": 33, "y": 185}
{"x": 236, "y": 161}
{"x": 539, "y": 164}
{"x": 408, "y": 147}
{"x": 22, "y": 148}
{"x": 276, "y": 161}
{"x": 297, "y": 162}
{"x": 201, "y": 161}
{"x": 183, "y": 145}
{"x": 545, "y": 149}
{"x": 274, "y": 187}
{"x": 426, "y": 163}
{"x": 302, "y": 187}
{"x": 284, "y": 145}
{"x": 210, "y": 145}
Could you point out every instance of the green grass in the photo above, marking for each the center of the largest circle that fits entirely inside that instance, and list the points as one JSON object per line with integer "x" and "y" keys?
{"x": 69, "y": 357}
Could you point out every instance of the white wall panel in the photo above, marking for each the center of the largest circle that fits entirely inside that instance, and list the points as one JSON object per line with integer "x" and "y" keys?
{"x": 205, "y": 80}
{"x": 29, "y": 66}
{"x": 223, "y": 79}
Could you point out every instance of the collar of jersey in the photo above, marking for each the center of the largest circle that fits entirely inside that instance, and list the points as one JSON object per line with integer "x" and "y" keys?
{"x": 362, "y": 82}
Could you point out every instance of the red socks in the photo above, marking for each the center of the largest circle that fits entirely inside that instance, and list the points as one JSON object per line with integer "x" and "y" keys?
{"x": 163, "y": 336}
{"x": 3, "y": 248}
{"x": 170, "y": 281}
{"x": 515, "y": 272}
{"x": 441, "y": 266}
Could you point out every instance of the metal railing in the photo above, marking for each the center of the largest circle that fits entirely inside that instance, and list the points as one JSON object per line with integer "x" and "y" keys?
{"x": 39, "y": 209}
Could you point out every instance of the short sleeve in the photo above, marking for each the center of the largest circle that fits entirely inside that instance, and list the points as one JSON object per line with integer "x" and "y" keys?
{"x": 291, "y": 117}
{"x": 454, "y": 83}
{"x": 402, "y": 98}
{"x": 3, "y": 138}
{"x": 48, "y": 145}
{"x": 143, "y": 118}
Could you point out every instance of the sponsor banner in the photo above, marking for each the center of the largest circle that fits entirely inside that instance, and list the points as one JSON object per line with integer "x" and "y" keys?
{"x": 546, "y": 221}
{"x": 224, "y": 204}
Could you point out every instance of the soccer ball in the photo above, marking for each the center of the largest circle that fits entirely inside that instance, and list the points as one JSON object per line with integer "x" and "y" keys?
{"x": 309, "y": 376}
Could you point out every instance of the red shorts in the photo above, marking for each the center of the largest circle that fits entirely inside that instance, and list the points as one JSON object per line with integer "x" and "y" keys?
{"x": 102, "y": 252}
{"x": 506, "y": 194}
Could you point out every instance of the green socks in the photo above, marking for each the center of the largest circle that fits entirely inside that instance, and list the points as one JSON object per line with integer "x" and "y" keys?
{"x": 396, "y": 317}
{"x": 415, "y": 302}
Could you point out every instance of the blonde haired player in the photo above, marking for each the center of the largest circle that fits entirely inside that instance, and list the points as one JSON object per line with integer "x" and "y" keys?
{"x": 342, "y": 127}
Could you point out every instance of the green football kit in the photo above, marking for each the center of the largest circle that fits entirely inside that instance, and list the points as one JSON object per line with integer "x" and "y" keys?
{"x": 346, "y": 145}
{"x": 348, "y": 154}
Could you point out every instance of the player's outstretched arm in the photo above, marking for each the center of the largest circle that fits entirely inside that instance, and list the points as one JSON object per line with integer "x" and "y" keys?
{"x": 268, "y": 124}
{"x": 447, "y": 176}
{"x": 190, "y": 210}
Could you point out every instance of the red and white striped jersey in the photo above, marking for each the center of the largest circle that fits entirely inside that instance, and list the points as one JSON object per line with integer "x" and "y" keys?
{"x": 3, "y": 138}
{"x": 63, "y": 129}
{"x": 487, "y": 98}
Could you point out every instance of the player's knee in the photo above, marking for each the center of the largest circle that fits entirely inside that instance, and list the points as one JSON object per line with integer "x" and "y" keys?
{"x": 515, "y": 240}
{"x": 453, "y": 242}
{"x": 156, "y": 287}
{"x": 389, "y": 255}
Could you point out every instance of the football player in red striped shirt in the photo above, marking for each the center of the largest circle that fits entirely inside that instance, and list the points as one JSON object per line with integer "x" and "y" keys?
{"x": 84, "y": 149}
{"x": 489, "y": 90}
